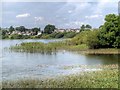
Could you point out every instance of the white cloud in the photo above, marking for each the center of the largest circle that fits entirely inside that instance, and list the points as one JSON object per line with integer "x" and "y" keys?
{"x": 69, "y": 11}
{"x": 93, "y": 16}
{"x": 102, "y": 4}
{"x": 23, "y": 15}
{"x": 74, "y": 24}
{"x": 39, "y": 18}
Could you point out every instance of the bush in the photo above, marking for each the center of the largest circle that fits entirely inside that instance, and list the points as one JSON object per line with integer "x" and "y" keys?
{"x": 59, "y": 35}
{"x": 70, "y": 35}
{"x": 92, "y": 40}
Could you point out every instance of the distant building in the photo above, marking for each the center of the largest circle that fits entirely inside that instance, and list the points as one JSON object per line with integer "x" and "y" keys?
{"x": 59, "y": 30}
{"x": 39, "y": 33}
{"x": 67, "y": 30}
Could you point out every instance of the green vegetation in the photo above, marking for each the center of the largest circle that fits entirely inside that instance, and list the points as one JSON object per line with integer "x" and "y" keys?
{"x": 58, "y": 35}
{"x": 35, "y": 33}
{"x": 48, "y": 48}
{"x": 49, "y": 29}
{"x": 85, "y": 27}
{"x": 38, "y": 47}
{"x": 109, "y": 35}
{"x": 106, "y": 78}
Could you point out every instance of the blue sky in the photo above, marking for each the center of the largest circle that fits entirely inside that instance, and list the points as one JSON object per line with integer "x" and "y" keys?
{"x": 66, "y": 14}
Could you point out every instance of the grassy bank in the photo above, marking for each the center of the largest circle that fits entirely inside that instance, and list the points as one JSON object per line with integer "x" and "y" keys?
{"x": 106, "y": 78}
{"x": 33, "y": 47}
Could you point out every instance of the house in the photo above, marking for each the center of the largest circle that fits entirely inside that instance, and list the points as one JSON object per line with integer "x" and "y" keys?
{"x": 73, "y": 30}
{"x": 39, "y": 33}
{"x": 59, "y": 30}
{"x": 16, "y": 32}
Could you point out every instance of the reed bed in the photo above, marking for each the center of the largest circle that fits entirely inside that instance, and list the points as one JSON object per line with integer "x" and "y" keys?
{"x": 39, "y": 47}
{"x": 102, "y": 51}
{"x": 107, "y": 78}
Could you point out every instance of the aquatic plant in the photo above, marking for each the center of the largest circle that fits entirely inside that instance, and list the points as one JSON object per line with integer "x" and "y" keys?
{"x": 106, "y": 78}
{"x": 52, "y": 47}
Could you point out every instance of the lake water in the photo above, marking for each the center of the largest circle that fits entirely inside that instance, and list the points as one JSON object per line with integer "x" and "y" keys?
{"x": 17, "y": 65}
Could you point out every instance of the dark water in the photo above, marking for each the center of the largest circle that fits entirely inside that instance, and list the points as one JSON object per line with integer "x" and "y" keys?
{"x": 16, "y": 65}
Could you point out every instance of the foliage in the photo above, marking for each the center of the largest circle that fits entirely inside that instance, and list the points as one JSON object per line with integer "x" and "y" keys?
{"x": 16, "y": 36}
{"x": 85, "y": 27}
{"x": 49, "y": 29}
{"x": 109, "y": 35}
{"x": 88, "y": 26}
{"x": 80, "y": 38}
{"x": 21, "y": 28}
{"x": 82, "y": 28}
{"x": 59, "y": 35}
{"x": 36, "y": 30}
{"x": 92, "y": 39}
{"x": 69, "y": 35}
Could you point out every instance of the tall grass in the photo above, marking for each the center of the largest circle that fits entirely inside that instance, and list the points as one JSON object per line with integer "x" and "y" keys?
{"x": 46, "y": 47}
{"x": 37, "y": 47}
{"x": 52, "y": 47}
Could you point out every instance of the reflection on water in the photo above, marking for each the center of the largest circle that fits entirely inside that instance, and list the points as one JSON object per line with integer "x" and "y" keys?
{"x": 19, "y": 65}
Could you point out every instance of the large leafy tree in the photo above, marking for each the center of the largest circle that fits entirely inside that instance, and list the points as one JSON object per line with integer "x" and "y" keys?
{"x": 85, "y": 27}
{"x": 49, "y": 29}
{"x": 109, "y": 35}
{"x": 21, "y": 28}
{"x": 88, "y": 26}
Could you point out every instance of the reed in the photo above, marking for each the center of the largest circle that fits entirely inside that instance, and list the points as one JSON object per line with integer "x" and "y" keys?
{"x": 39, "y": 47}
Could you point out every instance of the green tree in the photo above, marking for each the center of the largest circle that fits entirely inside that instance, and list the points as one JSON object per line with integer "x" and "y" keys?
{"x": 88, "y": 26}
{"x": 109, "y": 33}
{"x": 21, "y": 29}
{"x": 49, "y": 29}
{"x": 36, "y": 30}
{"x": 82, "y": 28}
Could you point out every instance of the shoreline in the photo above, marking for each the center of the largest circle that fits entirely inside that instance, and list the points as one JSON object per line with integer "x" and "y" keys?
{"x": 101, "y": 52}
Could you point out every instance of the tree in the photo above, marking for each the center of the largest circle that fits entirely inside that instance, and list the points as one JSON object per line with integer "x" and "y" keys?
{"x": 21, "y": 29}
{"x": 36, "y": 30}
{"x": 85, "y": 27}
{"x": 11, "y": 29}
{"x": 109, "y": 33}
{"x": 88, "y": 26}
{"x": 49, "y": 29}
{"x": 82, "y": 28}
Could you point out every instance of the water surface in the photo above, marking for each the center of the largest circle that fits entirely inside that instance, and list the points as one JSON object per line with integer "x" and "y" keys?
{"x": 16, "y": 65}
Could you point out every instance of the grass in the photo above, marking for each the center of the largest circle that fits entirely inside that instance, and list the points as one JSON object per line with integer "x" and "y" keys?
{"x": 107, "y": 78}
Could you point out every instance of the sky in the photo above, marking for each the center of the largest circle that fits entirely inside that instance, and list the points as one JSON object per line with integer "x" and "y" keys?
{"x": 62, "y": 14}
